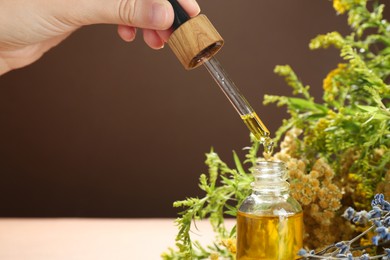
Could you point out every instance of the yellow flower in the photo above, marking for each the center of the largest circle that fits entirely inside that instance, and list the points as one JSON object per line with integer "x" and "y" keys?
{"x": 308, "y": 191}
{"x": 301, "y": 165}
{"x": 354, "y": 177}
{"x": 341, "y": 6}
{"x": 331, "y": 114}
{"x": 315, "y": 183}
{"x": 335, "y": 204}
{"x": 326, "y": 40}
{"x": 363, "y": 191}
{"x": 305, "y": 200}
{"x": 294, "y": 174}
{"x": 328, "y": 214}
{"x": 328, "y": 81}
{"x": 230, "y": 244}
{"x": 324, "y": 204}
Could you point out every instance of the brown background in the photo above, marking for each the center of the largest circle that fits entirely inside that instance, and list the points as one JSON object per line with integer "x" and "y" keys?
{"x": 102, "y": 128}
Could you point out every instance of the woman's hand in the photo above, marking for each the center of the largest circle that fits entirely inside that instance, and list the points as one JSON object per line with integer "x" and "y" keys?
{"x": 29, "y": 28}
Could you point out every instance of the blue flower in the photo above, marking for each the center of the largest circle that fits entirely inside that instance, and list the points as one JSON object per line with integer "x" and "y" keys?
{"x": 378, "y": 222}
{"x": 361, "y": 217}
{"x": 344, "y": 247}
{"x": 376, "y": 212}
{"x": 382, "y": 231}
{"x": 365, "y": 257}
{"x": 302, "y": 252}
{"x": 387, "y": 254}
{"x": 386, "y": 221}
{"x": 349, "y": 256}
{"x": 375, "y": 240}
{"x": 378, "y": 200}
{"x": 349, "y": 213}
{"x": 386, "y": 206}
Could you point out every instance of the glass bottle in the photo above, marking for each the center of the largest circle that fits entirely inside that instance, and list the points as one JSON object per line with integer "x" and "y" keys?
{"x": 269, "y": 221}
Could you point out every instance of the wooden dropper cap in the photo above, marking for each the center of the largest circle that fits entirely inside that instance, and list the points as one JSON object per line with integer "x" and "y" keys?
{"x": 194, "y": 40}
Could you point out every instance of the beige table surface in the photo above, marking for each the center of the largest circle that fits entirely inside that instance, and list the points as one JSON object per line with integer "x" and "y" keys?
{"x": 91, "y": 239}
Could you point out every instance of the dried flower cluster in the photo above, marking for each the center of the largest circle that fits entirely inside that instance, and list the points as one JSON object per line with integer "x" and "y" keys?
{"x": 314, "y": 189}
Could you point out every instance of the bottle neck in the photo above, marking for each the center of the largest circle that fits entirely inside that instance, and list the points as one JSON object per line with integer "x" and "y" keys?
{"x": 271, "y": 189}
{"x": 270, "y": 179}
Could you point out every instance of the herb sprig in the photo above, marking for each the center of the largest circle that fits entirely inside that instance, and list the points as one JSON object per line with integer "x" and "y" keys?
{"x": 224, "y": 188}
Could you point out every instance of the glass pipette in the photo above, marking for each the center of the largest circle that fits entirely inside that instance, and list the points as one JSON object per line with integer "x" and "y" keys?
{"x": 195, "y": 41}
{"x": 248, "y": 115}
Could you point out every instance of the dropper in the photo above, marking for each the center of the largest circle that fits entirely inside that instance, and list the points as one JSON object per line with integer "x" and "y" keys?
{"x": 195, "y": 41}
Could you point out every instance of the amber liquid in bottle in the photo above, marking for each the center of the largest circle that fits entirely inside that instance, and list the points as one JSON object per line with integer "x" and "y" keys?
{"x": 269, "y": 220}
{"x": 269, "y": 237}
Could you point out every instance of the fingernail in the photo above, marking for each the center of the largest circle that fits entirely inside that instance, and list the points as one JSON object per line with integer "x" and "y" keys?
{"x": 195, "y": 5}
{"x": 192, "y": 6}
{"x": 159, "y": 15}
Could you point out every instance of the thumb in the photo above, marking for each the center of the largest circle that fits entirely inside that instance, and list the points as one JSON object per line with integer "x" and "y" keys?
{"x": 150, "y": 14}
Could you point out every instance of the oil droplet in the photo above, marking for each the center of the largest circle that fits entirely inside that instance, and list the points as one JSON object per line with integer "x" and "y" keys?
{"x": 268, "y": 146}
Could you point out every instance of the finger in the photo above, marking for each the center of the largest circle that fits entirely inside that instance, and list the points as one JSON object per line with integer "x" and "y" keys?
{"x": 190, "y": 6}
{"x": 151, "y": 14}
{"x": 127, "y": 33}
{"x": 164, "y": 35}
{"x": 152, "y": 39}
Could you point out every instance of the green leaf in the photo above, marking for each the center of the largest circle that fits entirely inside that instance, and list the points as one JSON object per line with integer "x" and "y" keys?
{"x": 305, "y": 105}
{"x": 232, "y": 211}
{"x": 370, "y": 109}
{"x": 376, "y": 113}
{"x": 238, "y": 164}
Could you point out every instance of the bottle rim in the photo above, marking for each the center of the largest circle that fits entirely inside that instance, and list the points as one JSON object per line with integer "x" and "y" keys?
{"x": 264, "y": 164}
